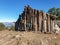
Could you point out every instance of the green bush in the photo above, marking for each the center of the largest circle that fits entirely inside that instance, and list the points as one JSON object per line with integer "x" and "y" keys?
{"x": 2, "y": 26}
{"x": 12, "y": 27}
{"x": 55, "y": 11}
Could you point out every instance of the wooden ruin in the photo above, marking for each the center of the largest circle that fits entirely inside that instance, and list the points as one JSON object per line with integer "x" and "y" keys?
{"x": 35, "y": 20}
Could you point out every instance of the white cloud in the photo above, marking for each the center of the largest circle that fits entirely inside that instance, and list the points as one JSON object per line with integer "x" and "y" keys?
{"x": 7, "y": 20}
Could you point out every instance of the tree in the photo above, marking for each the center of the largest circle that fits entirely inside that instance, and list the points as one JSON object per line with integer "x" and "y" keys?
{"x": 55, "y": 11}
{"x": 52, "y": 11}
{"x": 58, "y": 13}
{"x": 2, "y": 26}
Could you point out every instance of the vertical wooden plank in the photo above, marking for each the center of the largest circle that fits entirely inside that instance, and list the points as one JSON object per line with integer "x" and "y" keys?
{"x": 40, "y": 21}
{"x": 33, "y": 20}
{"x": 44, "y": 22}
{"x": 25, "y": 21}
{"x": 42, "y": 28}
{"x": 48, "y": 30}
{"x": 52, "y": 26}
{"x": 55, "y": 21}
{"x": 16, "y": 26}
{"x": 35, "y": 23}
{"x": 52, "y": 23}
{"x": 37, "y": 20}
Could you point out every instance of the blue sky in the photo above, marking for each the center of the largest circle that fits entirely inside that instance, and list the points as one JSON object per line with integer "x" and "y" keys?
{"x": 10, "y": 9}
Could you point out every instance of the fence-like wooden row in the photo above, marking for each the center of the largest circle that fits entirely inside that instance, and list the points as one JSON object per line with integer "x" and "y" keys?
{"x": 35, "y": 20}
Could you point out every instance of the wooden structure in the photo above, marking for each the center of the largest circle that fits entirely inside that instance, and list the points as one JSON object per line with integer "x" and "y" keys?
{"x": 35, "y": 20}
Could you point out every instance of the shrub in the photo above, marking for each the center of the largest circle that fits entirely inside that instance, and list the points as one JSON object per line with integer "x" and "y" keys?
{"x": 12, "y": 27}
{"x": 2, "y": 26}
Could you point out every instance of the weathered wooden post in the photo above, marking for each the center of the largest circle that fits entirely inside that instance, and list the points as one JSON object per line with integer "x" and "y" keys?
{"x": 54, "y": 20}
{"x": 25, "y": 19}
{"x": 40, "y": 21}
{"x": 48, "y": 23}
{"x": 16, "y": 26}
{"x": 37, "y": 20}
{"x": 52, "y": 23}
{"x": 44, "y": 22}
{"x": 25, "y": 22}
{"x": 35, "y": 23}
{"x": 31, "y": 23}
{"x": 33, "y": 20}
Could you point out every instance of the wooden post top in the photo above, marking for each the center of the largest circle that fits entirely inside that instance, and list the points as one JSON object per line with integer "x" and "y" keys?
{"x": 35, "y": 12}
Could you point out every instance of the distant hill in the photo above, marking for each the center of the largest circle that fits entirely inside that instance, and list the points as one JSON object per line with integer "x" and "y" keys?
{"x": 8, "y": 24}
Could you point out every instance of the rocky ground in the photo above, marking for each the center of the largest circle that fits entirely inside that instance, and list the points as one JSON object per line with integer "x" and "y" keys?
{"x": 28, "y": 38}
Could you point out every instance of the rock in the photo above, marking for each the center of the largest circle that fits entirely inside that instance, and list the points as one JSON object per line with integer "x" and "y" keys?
{"x": 56, "y": 29}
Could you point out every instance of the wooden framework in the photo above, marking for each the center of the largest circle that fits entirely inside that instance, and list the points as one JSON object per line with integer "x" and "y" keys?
{"x": 34, "y": 20}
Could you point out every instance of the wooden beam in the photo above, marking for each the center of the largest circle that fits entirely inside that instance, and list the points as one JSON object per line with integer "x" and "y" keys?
{"x": 40, "y": 21}
{"x": 48, "y": 23}
{"x": 35, "y": 19}
{"x": 44, "y": 23}
{"x": 25, "y": 22}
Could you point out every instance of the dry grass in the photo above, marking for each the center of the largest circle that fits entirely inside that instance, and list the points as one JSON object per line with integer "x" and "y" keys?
{"x": 28, "y": 38}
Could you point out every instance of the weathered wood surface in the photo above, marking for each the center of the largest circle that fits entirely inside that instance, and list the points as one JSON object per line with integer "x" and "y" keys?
{"x": 39, "y": 21}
